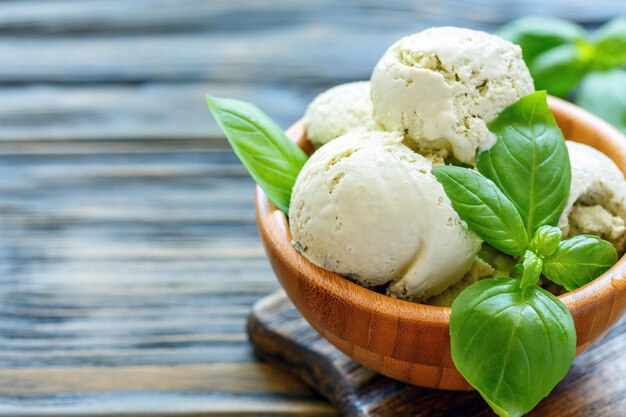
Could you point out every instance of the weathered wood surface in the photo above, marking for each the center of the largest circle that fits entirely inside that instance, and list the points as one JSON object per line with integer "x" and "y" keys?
{"x": 72, "y": 69}
{"x": 128, "y": 247}
{"x": 595, "y": 385}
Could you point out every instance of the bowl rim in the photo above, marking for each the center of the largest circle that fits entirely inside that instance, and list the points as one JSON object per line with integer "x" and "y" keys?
{"x": 270, "y": 218}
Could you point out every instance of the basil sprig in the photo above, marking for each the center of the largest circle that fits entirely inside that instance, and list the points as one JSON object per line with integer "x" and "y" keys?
{"x": 512, "y": 345}
{"x": 578, "y": 261}
{"x": 512, "y": 340}
{"x": 560, "y": 69}
{"x": 272, "y": 160}
{"x": 602, "y": 93}
{"x": 486, "y": 210}
{"x": 563, "y": 59}
{"x": 610, "y": 43}
{"x": 546, "y": 240}
{"x": 537, "y": 34}
{"x": 532, "y": 265}
{"x": 529, "y": 161}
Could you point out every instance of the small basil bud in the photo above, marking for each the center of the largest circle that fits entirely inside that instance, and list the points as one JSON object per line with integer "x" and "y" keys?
{"x": 545, "y": 241}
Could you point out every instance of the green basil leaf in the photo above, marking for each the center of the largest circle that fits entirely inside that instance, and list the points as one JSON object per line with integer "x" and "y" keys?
{"x": 546, "y": 240}
{"x": 270, "y": 157}
{"x": 560, "y": 69}
{"x": 529, "y": 161}
{"x": 532, "y": 269}
{"x": 539, "y": 34}
{"x": 579, "y": 260}
{"x": 611, "y": 43}
{"x": 484, "y": 208}
{"x": 513, "y": 345}
{"x": 518, "y": 269}
{"x": 602, "y": 93}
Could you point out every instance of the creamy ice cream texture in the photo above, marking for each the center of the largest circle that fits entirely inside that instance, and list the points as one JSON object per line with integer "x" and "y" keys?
{"x": 339, "y": 110}
{"x": 367, "y": 207}
{"x": 442, "y": 86}
{"x": 479, "y": 270}
{"x": 597, "y": 200}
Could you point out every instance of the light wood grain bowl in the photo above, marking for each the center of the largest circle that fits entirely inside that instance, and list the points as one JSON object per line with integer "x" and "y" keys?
{"x": 410, "y": 342}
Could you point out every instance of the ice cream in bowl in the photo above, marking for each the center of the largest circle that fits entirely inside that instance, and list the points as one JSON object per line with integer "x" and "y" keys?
{"x": 444, "y": 224}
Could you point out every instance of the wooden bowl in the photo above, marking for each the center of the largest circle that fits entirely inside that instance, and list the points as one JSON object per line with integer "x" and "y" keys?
{"x": 410, "y": 342}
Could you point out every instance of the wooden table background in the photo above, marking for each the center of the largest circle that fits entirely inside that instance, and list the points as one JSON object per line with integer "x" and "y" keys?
{"x": 129, "y": 254}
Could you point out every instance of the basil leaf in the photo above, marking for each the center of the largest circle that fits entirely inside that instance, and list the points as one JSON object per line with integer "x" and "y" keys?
{"x": 611, "y": 43}
{"x": 579, "y": 260}
{"x": 513, "y": 345}
{"x": 270, "y": 157}
{"x": 518, "y": 269}
{"x": 532, "y": 269}
{"x": 484, "y": 208}
{"x": 560, "y": 69}
{"x": 602, "y": 93}
{"x": 546, "y": 240}
{"x": 529, "y": 161}
{"x": 539, "y": 34}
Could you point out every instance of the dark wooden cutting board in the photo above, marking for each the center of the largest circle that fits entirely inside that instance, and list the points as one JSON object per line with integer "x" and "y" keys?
{"x": 595, "y": 385}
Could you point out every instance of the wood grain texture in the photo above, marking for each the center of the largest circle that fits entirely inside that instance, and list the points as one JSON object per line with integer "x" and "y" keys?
{"x": 382, "y": 333}
{"x": 224, "y": 377}
{"x": 123, "y": 113}
{"x": 129, "y": 253}
{"x": 595, "y": 385}
{"x": 122, "y": 69}
{"x": 70, "y": 16}
{"x": 127, "y": 279}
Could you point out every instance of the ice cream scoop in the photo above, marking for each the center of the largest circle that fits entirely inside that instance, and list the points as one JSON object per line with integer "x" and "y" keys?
{"x": 339, "y": 110}
{"x": 597, "y": 199}
{"x": 479, "y": 269}
{"x": 367, "y": 207}
{"x": 443, "y": 85}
